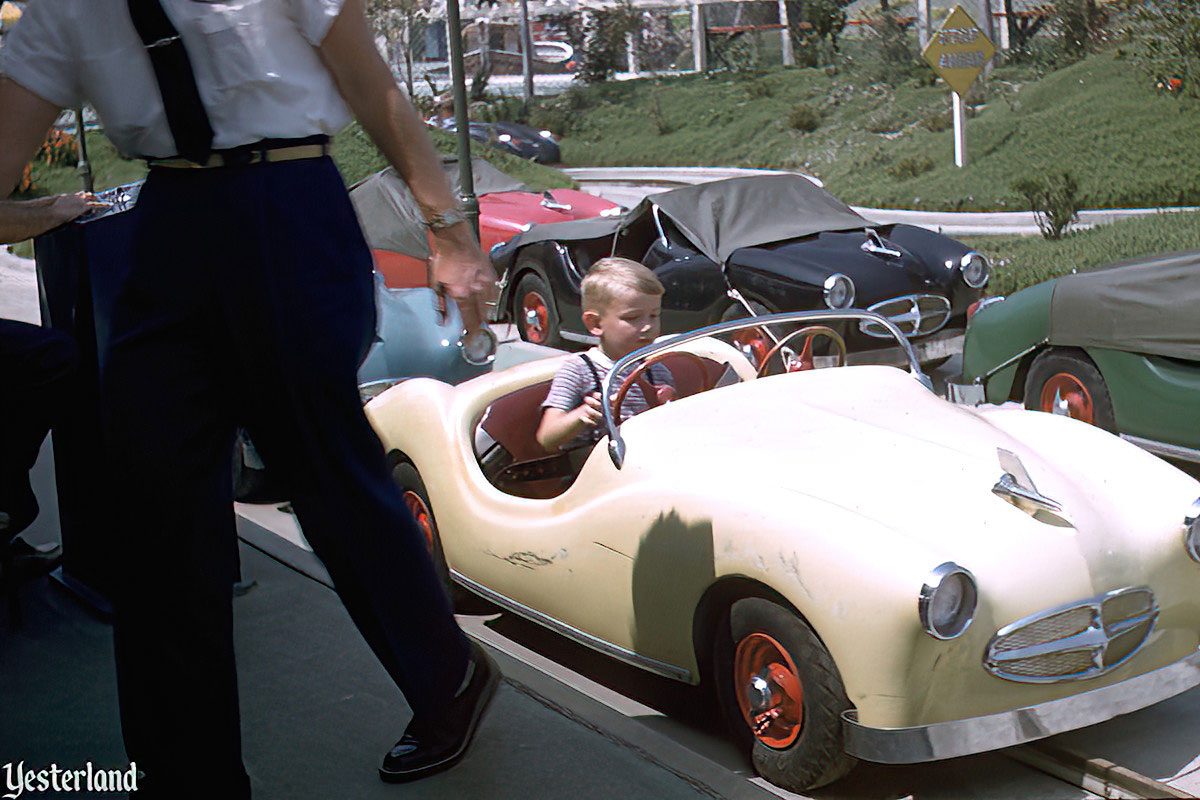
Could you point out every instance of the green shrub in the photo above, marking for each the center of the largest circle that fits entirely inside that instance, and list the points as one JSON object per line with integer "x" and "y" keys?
{"x": 885, "y": 121}
{"x": 910, "y": 167}
{"x": 759, "y": 88}
{"x": 1054, "y": 200}
{"x": 804, "y": 117}
{"x": 1166, "y": 42}
{"x": 936, "y": 123}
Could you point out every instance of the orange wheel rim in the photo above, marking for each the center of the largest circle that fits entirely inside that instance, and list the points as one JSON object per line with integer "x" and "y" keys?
{"x": 1065, "y": 394}
{"x": 536, "y": 317}
{"x": 421, "y": 513}
{"x": 770, "y": 693}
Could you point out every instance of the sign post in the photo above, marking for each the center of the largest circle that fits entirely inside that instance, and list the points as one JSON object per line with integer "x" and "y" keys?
{"x": 958, "y": 52}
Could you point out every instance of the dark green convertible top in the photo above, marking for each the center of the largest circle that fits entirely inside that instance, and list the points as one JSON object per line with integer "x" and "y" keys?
{"x": 1148, "y": 305}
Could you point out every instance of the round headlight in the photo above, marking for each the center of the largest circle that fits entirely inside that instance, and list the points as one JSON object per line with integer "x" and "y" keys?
{"x": 975, "y": 269}
{"x": 947, "y": 602}
{"x": 504, "y": 137}
{"x": 1191, "y": 535}
{"x": 480, "y": 349}
{"x": 546, "y": 134}
{"x": 839, "y": 291}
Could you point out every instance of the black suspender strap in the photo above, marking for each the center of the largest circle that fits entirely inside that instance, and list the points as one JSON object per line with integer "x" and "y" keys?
{"x": 595, "y": 373}
{"x": 186, "y": 116}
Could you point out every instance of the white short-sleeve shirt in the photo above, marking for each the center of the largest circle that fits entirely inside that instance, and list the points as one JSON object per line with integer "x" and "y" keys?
{"x": 255, "y": 64}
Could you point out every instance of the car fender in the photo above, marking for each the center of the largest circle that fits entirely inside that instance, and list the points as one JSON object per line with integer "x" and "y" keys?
{"x": 1013, "y": 328}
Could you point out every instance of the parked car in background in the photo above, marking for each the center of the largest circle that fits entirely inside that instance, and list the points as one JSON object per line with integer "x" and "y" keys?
{"x": 523, "y": 141}
{"x": 1117, "y": 346}
{"x": 756, "y": 244}
{"x": 394, "y": 228}
{"x": 766, "y": 534}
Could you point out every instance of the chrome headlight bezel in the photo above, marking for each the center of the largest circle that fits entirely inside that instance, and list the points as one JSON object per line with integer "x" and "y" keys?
{"x": 838, "y": 291}
{"x": 941, "y": 580}
{"x": 1191, "y": 531}
{"x": 975, "y": 269}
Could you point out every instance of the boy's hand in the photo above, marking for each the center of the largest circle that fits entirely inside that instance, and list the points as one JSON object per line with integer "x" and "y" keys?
{"x": 590, "y": 412}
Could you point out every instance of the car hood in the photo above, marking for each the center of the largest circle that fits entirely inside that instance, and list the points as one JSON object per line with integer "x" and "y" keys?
{"x": 813, "y": 259}
{"x": 873, "y": 442}
{"x": 514, "y": 212}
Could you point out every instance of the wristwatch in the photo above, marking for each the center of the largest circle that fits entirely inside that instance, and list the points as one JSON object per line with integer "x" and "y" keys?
{"x": 445, "y": 219}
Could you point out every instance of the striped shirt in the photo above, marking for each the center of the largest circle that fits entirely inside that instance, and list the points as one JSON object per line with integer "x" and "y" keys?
{"x": 574, "y": 381}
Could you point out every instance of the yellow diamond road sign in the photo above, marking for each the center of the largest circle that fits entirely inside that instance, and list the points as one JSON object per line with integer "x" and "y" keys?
{"x": 958, "y": 51}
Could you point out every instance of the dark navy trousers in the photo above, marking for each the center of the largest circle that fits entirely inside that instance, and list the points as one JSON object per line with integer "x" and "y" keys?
{"x": 36, "y": 367}
{"x": 249, "y": 301}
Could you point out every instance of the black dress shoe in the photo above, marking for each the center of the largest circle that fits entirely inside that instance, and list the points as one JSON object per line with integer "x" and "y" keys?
{"x": 431, "y": 745}
{"x": 28, "y": 562}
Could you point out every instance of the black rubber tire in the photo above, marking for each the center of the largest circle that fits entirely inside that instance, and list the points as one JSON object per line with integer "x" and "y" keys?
{"x": 818, "y": 756}
{"x": 532, "y": 282}
{"x": 407, "y": 478}
{"x": 1077, "y": 364}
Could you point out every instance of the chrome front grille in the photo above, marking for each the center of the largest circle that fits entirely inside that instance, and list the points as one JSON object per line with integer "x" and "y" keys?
{"x": 913, "y": 314}
{"x": 1075, "y": 641}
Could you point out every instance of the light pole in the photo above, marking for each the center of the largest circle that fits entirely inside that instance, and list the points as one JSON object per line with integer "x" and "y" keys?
{"x": 458, "y": 80}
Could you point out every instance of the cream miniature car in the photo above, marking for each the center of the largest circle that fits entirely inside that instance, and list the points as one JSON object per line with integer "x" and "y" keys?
{"x": 861, "y": 569}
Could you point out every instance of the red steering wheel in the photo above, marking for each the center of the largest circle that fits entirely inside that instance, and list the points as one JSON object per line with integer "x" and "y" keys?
{"x": 806, "y": 362}
{"x": 648, "y": 390}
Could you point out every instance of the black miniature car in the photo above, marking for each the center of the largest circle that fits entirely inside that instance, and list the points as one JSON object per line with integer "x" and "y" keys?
{"x": 751, "y": 245}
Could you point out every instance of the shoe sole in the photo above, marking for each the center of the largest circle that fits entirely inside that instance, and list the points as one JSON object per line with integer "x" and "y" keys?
{"x": 489, "y": 693}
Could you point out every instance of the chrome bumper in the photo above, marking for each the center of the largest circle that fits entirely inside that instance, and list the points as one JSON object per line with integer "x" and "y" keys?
{"x": 939, "y": 345}
{"x": 992, "y": 732}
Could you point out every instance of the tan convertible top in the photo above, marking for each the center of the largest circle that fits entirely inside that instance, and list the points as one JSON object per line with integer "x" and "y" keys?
{"x": 389, "y": 215}
{"x": 1148, "y": 305}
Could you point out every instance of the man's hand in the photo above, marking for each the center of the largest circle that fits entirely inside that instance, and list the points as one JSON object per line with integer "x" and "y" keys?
{"x": 459, "y": 270}
{"x": 24, "y": 219}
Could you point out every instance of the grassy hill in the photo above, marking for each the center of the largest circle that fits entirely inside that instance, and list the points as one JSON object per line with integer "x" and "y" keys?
{"x": 877, "y": 144}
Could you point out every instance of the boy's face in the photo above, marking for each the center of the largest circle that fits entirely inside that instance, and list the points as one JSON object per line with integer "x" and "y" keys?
{"x": 630, "y": 321}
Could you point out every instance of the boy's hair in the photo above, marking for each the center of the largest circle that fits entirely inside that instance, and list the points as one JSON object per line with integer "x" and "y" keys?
{"x": 609, "y": 276}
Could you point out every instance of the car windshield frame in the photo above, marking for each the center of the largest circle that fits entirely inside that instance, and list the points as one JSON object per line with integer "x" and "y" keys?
{"x": 616, "y": 445}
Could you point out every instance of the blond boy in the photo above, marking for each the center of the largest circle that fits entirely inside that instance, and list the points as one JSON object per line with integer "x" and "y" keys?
{"x": 622, "y": 301}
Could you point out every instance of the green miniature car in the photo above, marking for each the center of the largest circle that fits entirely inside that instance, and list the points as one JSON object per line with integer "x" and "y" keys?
{"x": 1117, "y": 347}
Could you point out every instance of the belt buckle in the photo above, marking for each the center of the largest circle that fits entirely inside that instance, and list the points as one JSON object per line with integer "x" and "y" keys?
{"x": 241, "y": 158}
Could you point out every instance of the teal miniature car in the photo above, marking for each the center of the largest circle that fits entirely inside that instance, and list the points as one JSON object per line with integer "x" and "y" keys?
{"x": 1117, "y": 347}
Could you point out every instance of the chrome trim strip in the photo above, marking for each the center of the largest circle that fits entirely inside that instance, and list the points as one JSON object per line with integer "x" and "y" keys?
{"x": 616, "y": 445}
{"x": 1164, "y": 448}
{"x": 607, "y": 648}
{"x": 962, "y": 737}
{"x": 582, "y": 338}
{"x": 985, "y": 377}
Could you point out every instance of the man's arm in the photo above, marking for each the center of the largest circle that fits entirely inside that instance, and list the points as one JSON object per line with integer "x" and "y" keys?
{"x": 559, "y": 427}
{"x": 20, "y": 220}
{"x": 25, "y": 120}
{"x": 388, "y": 117}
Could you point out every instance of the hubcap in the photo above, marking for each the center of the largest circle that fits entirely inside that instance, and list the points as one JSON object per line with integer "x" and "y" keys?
{"x": 421, "y": 513}
{"x": 1065, "y": 394}
{"x": 536, "y": 317}
{"x": 770, "y": 692}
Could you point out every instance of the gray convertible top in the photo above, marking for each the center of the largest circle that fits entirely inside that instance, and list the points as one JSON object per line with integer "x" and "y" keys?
{"x": 389, "y": 215}
{"x": 722, "y": 216}
{"x": 1148, "y": 305}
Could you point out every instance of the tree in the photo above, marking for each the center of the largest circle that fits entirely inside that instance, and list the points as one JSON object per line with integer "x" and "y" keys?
{"x": 1167, "y": 42}
{"x": 400, "y": 23}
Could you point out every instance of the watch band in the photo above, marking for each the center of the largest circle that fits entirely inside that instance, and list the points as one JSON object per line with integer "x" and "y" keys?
{"x": 445, "y": 219}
